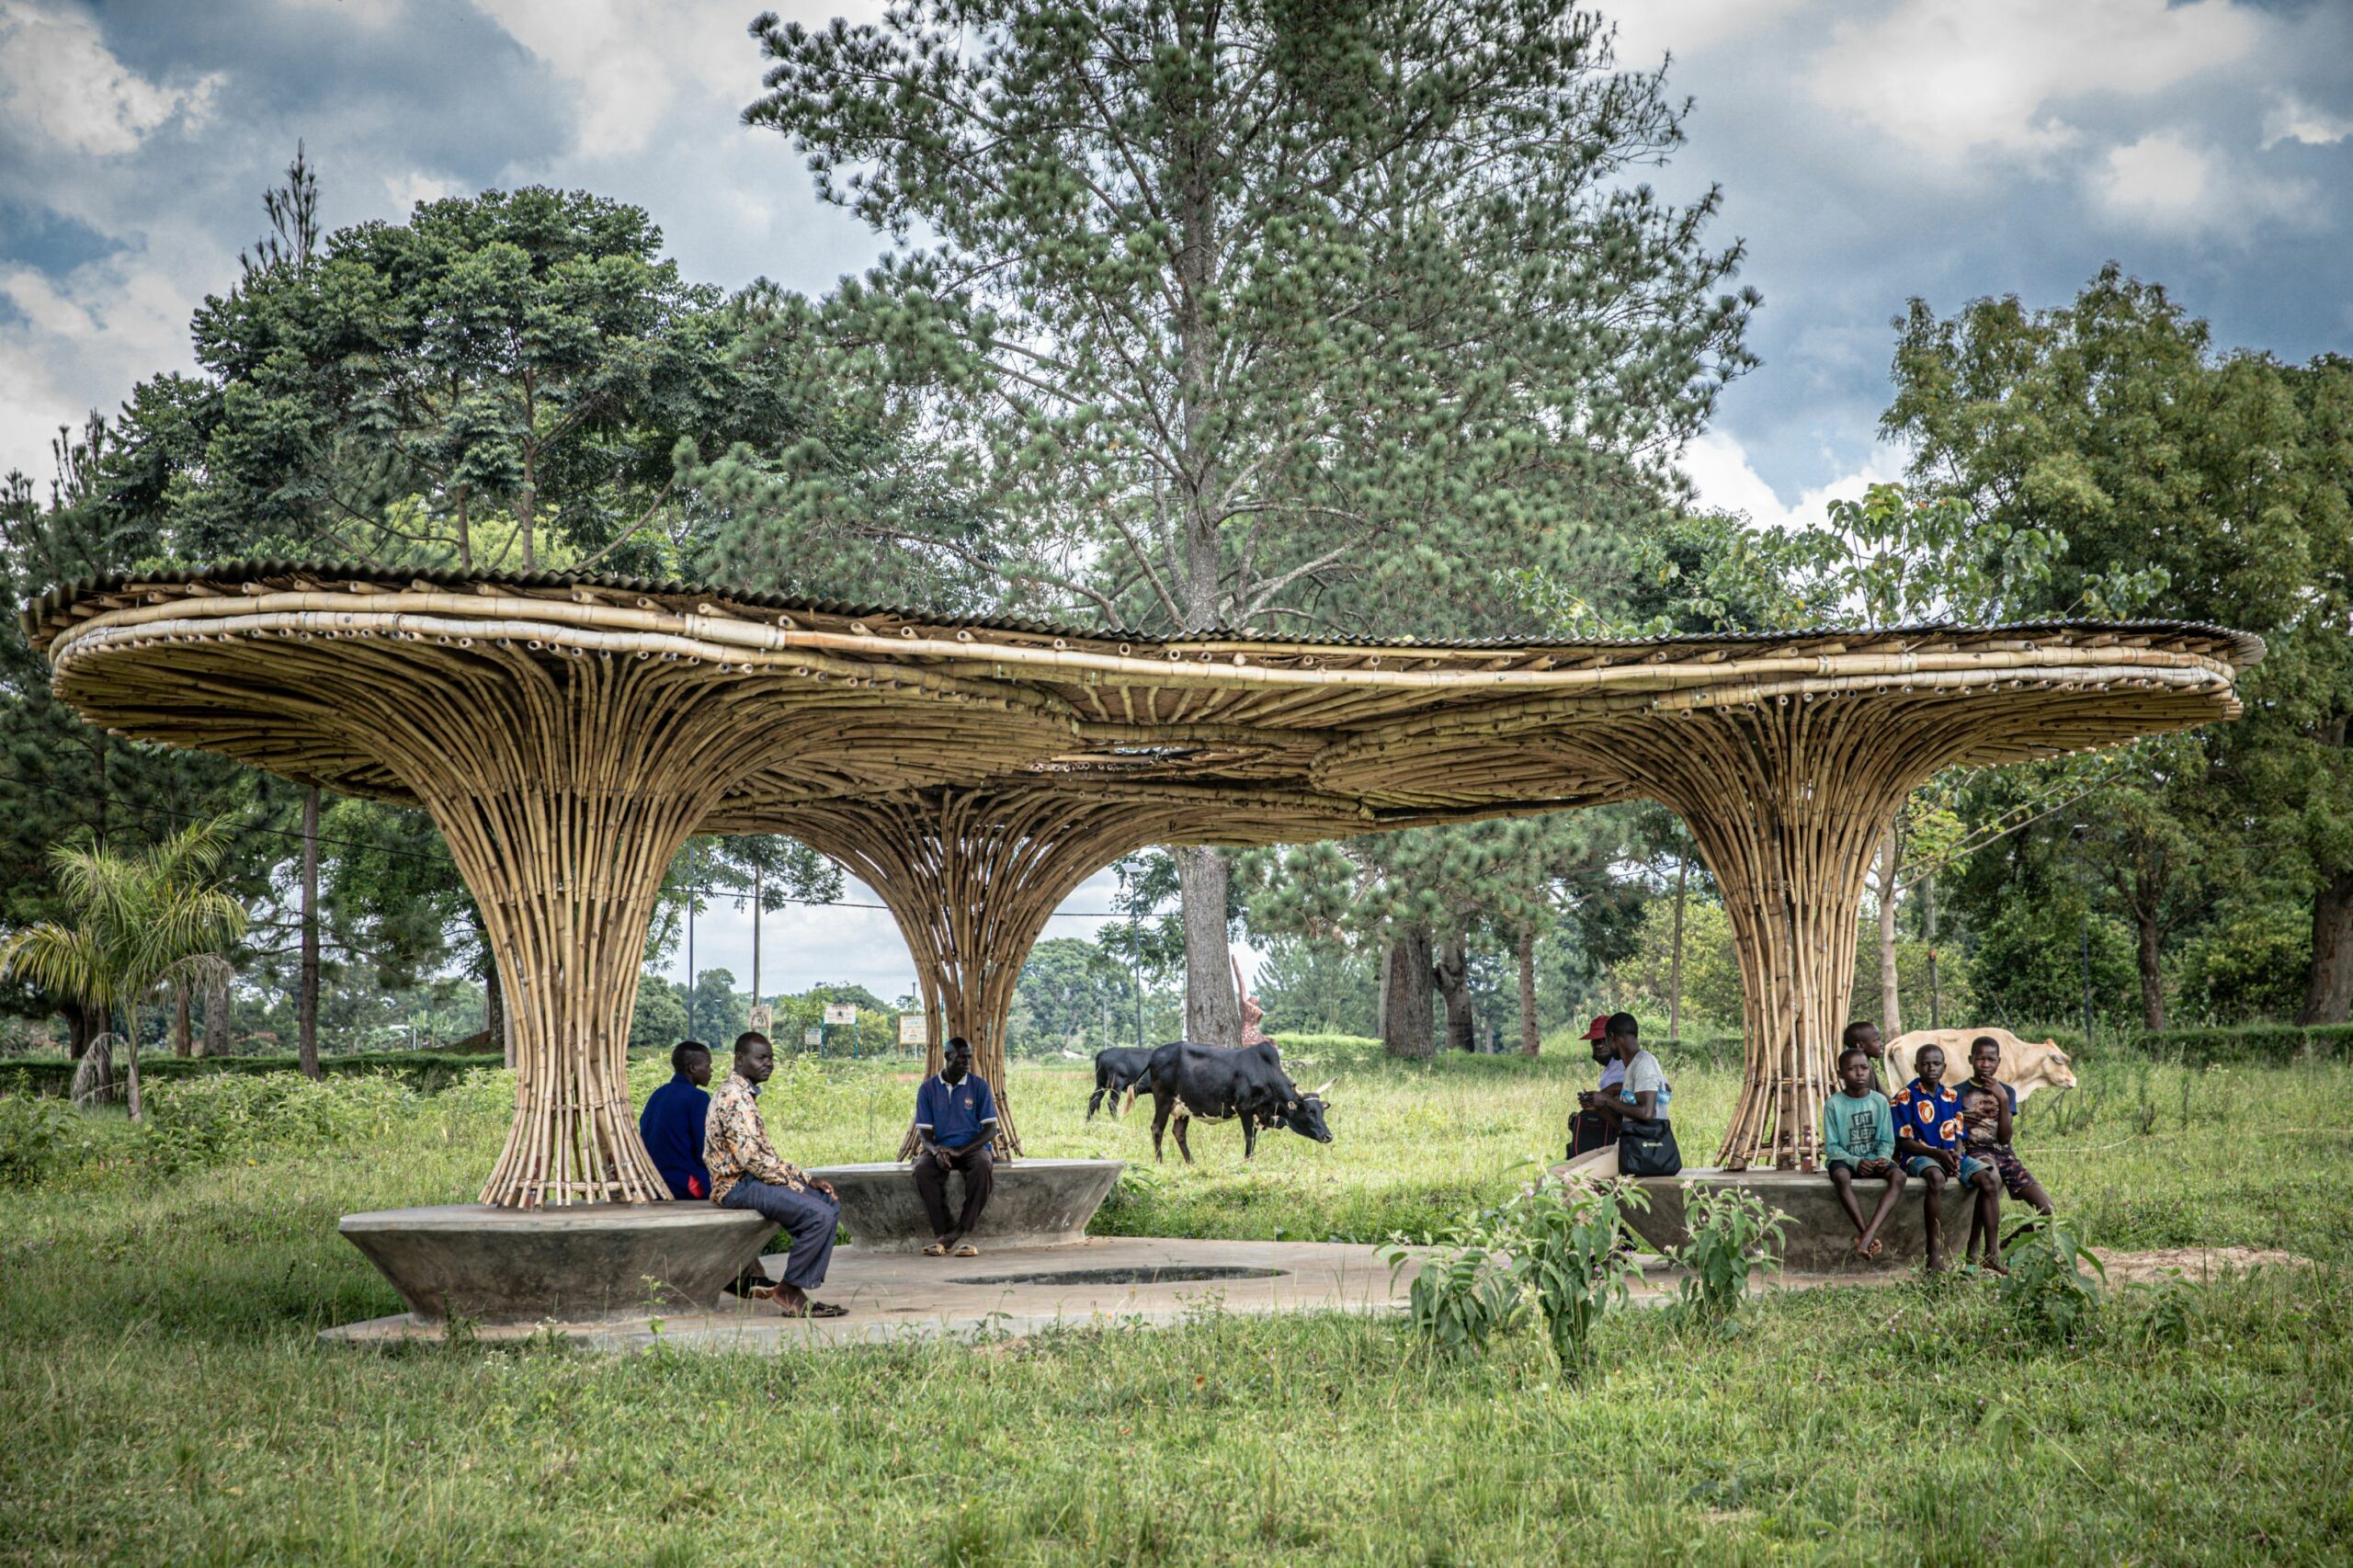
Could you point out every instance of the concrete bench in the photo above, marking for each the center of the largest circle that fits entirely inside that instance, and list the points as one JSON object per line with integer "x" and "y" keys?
{"x": 1035, "y": 1203}
{"x": 1819, "y": 1238}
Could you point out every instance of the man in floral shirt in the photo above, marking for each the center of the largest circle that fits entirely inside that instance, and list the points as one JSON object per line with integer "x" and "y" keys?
{"x": 746, "y": 1174}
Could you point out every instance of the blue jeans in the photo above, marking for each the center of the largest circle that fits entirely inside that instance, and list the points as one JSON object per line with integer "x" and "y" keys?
{"x": 809, "y": 1218}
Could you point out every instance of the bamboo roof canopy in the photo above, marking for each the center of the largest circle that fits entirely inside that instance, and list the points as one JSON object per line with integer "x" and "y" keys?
{"x": 569, "y": 733}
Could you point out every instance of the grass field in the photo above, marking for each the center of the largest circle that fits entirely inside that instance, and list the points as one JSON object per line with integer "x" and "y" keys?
{"x": 161, "y": 1397}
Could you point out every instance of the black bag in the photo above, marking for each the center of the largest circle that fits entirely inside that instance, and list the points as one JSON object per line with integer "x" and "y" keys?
{"x": 1648, "y": 1149}
{"x": 1588, "y": 1131}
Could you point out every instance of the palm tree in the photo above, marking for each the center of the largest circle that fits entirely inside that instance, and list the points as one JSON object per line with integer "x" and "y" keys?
{"x": 144, "y": 921}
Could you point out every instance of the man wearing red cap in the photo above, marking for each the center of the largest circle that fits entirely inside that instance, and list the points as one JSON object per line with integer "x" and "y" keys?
{"x": 1589, "y": 1130}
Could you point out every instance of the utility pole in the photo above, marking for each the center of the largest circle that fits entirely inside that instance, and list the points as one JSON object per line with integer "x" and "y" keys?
{"x": 690, "y": 945}
{"x": 2088, "y": 979}
{"x": 757, "y": 875}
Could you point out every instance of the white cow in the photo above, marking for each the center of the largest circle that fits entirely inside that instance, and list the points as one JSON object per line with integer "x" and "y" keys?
{"x": 2027, "y": 1065}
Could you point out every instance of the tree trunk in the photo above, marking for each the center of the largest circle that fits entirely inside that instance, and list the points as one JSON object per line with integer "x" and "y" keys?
{"x": 1929, "y": 919}
{"x": 758, "y": 883}
{"x": 1212, "y": 1012}
{"x": 1675, "y": 954}
{"x": 1530, "y": 1043}
{"x": 78, "y": 1031}
{"x": 183, "y": 1045}
{"x": 1406, "y": 997}
{"x": 132, "y": 1096}
{"x": 494, "y": 1009}
{"x": 216, "y": 1021}
{"x": 1452, "y": 970}
{"x": 2153, "y": 985}
{"x": 1891, "y": 1011}
{"x": 306, "y": 1006}
{"x": 2328, "y": 991}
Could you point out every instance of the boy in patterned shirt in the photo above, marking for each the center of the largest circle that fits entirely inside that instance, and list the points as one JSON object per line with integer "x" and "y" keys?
{"x": 1928, "y": 1142}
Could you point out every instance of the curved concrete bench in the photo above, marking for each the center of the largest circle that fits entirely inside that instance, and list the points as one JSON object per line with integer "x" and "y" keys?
{"x": 1819, "y": 1238}
{"x": 579, "y": 1262}
{"x": 1036, "y": 1203}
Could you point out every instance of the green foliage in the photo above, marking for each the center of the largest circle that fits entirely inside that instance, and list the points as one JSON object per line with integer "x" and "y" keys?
{"x": 1232, "y": 312}
{"x": 32, "y": 1134}
{"x": 2252, "y": 962}
{"x": 1732, "y": 1234}
{"x": 225, "y": 1117}
{"x": 2048, "y": 1296}
{"x": 1077, "y": 996}
{"x": 1552, "y": 1245}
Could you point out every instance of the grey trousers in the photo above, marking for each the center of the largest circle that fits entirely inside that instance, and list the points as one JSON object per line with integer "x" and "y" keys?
{"x": 809, "y": 1218}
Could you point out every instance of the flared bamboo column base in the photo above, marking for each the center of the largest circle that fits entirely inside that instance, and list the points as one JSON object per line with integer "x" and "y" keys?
{"x": 563, "y": 791}
{"x": 1786, "y": 801}
{"x": 971, "y": 877}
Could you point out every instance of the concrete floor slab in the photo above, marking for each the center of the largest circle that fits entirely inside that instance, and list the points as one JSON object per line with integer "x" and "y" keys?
{"x": 1118, "y": 1282}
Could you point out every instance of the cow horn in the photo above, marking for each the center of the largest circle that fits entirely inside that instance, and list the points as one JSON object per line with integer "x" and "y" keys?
{"x": 1325, "y": 1085}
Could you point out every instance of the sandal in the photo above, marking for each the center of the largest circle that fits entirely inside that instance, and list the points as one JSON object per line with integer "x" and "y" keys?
{"x": 936, "y": 1249}
{"x": 966, "y": 1249}
{"x": 809, "y": 1309}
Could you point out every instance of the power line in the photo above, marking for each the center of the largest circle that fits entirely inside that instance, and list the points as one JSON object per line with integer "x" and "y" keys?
{"x": 151, "y": 812}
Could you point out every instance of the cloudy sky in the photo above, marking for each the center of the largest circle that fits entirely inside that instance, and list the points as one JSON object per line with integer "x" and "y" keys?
{"x": 1869, "y": 153}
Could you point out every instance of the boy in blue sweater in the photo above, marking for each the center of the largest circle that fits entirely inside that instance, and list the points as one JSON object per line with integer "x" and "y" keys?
{"x": 1858, "y": 1139}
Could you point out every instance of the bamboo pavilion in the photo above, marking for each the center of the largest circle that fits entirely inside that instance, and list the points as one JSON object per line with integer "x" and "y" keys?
{"x": 568, "y": 733}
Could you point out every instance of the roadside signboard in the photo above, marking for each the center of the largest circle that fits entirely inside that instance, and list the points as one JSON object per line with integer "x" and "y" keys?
{"x": 812, "y": 1035}
{"x": 841, "y": 1012}
{"x": 914, "y": 1028}
{"x": 762, "y": 1017}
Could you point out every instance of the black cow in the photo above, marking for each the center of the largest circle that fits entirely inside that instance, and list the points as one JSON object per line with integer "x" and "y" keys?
{"x": 1208, "y": 1082}
{"x": 1116, "y": 1069}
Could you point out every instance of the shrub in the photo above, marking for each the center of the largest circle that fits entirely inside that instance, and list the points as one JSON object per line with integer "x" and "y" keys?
{"x": 1732, "y": 1232}
{"x": 211, "y": 1120}
{"x": 1568, "y": 1253}
{"x": 2048, "y": 1297}
{"x": 32, "y": 1135}
{"x": 1554, "y": 1243}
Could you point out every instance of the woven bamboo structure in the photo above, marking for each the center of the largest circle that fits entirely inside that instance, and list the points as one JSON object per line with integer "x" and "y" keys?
{"x": 568, "y": 734}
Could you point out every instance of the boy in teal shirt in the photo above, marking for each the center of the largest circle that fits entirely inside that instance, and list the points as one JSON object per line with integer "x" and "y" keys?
{"x": 1858, "y": 1139}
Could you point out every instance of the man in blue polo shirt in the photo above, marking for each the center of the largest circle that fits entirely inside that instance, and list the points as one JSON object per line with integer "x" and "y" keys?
{"x": 672, "y": 1122}
{"x": 955, "y": 1121}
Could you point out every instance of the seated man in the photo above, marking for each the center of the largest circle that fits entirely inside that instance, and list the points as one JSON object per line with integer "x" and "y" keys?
{"x": 672, "y": 1122}
{"x": 1589, "y": 1130}
{"x": 746, "y": 1174}
{"x": 955, "y": 1119}
{"x": 1927, "y": 1142}
{"x": 1858, "y": 1142}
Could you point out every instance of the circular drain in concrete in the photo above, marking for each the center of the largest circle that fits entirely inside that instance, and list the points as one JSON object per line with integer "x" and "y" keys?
{"x": 1173, "y": 1274}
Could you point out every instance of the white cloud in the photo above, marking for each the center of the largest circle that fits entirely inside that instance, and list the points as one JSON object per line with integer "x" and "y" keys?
{"x": 1951, "y": 76}
{"x": 2290, "y": 119}
{"x": 73, "y": 344}
{"x": 2167, "y": 183}
{"x": 59, "y": 80}
{"x": 407, "y": 190}
{"x": 1721, "y": 473}
{"x": 630, "y": 60}
{"x": 1649, "y": 29}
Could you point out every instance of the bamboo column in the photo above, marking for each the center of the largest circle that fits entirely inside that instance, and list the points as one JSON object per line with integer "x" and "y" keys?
{"x": 564, "y": 789}
{"x": 1786, "y": 801}
{"x": 971, "y": 877}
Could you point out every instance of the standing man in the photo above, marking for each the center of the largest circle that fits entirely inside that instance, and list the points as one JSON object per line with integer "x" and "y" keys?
{"x": 955, "y": 1120}
{"x": 746, "y": 1174}
{"x": 672, "y": 1121}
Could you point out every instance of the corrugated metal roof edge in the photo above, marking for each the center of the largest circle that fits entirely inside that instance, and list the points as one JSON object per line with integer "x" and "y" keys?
{"x": 2247, "y": 646}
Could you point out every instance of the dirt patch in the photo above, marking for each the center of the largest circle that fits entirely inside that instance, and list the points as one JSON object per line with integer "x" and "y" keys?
{"x": 2200, "y": 1264}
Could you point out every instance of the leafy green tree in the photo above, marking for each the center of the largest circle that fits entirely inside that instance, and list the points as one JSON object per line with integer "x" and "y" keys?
{"x": 2219, "y": 487}
{"x": 1077, "y": 994}
{"x": 1328, "y": 315}
{"x": 141, "y": 921}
